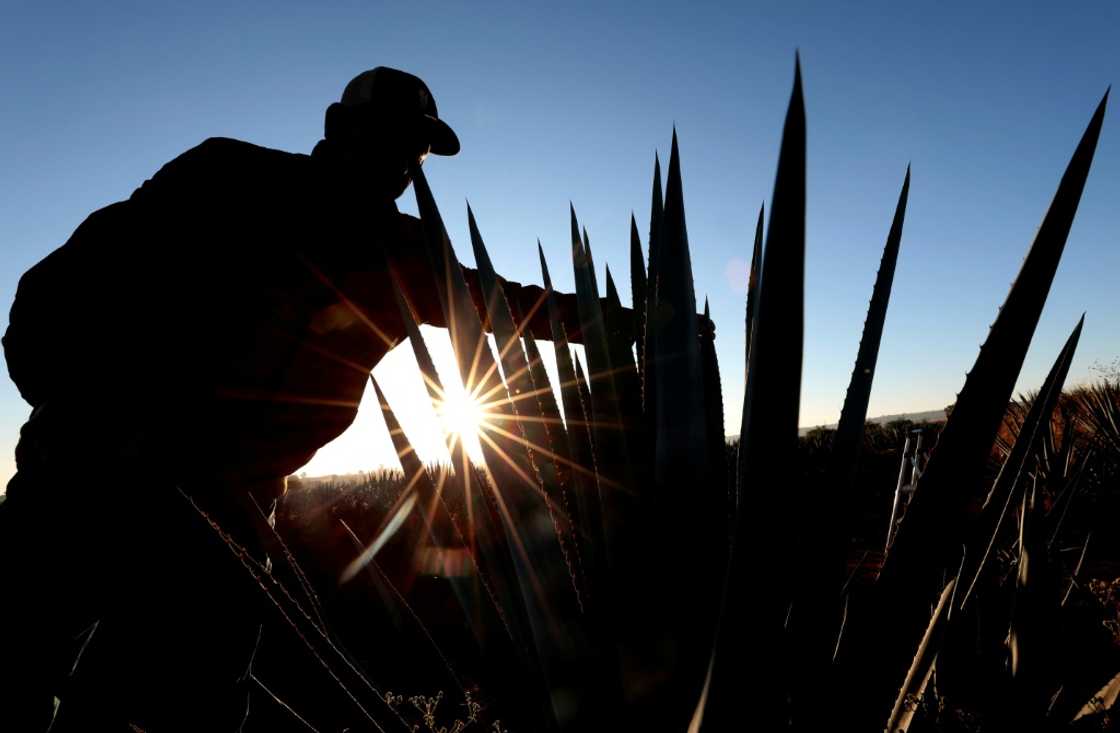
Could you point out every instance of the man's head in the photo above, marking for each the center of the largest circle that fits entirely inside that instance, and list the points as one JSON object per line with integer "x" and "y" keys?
{"x": 385, "y": 123}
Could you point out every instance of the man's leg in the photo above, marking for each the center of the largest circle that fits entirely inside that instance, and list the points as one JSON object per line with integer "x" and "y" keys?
{"x": 48, "y": 598}
{"x": 174, "y": 649}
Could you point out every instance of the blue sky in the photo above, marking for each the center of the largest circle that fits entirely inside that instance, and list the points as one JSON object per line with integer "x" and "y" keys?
{"x": 566, "y": 101}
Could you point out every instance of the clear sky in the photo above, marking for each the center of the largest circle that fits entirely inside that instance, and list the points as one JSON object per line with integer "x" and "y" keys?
{"x": 568, "y": 101}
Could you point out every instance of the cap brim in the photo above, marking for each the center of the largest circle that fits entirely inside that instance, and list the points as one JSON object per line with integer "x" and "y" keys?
{"x": 442, "y": 138}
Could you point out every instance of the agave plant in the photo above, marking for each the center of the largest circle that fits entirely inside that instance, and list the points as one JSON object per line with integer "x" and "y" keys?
{"x": 628, "y": 572}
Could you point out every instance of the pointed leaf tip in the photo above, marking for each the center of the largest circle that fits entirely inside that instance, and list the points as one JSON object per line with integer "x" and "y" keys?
{"x": 544, "y": 268}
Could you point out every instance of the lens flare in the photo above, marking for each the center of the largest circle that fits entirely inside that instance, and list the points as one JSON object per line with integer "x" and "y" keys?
{"x": 464, "y": 417}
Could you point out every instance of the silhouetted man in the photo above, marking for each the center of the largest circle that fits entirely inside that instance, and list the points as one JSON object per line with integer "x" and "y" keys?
{"x": 210, "y": 333}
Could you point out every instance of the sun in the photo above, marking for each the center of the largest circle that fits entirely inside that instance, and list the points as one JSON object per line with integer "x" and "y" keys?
{"x": 464, "y": 418}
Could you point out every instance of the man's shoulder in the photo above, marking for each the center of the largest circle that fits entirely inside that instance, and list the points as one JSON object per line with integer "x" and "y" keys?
{"x": 221, "y": 148}
{"x": 236, "y": 156}
{"x": 219, "y": 160}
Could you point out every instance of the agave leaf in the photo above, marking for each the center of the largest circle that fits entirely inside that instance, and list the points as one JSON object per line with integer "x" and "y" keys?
{"x": 656, "y": 212}
{"x": 620, "y": 349}
{"x": 1034, "y": 616}
{"x": 751, "y": 319}
{"x": 752, "y": 288}
{"x": 1103, "y": 701}
{"x": 1005, "y": 489}
{"x": 685, "y": 497}
{"x": 921, "y": 667}
{"x": 849, "y": 432}
{"x": 406, "y": 454}
{"x": 577, "y": 411}
{"x": 510, "y": 354}
{"x": 553, "y": 427}
{"x": 612, "y": 290}
{"x": 638, "y": 294}
{"x": 1057, "y": 516}
{"x": 476, "y": 364}
{"x": 604, "y": 398}
{"x": 418, "y": 484}
{"x": 713, "y": 412}
{"x": 582, "y": 382}
{"x": 679, "y": 420}
{"x": 768, "y": 446}
{"x": 596, "y": 527}
{"x": 1077, "y": 568}
{"x": 419, "y": 349}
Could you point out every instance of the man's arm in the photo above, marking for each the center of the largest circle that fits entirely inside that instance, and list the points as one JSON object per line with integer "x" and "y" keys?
{"x": 525, "y": 300}
{"x": 414, "y": 270}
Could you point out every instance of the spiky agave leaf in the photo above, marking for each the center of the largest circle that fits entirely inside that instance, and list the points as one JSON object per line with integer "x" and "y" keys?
{"x": 849, "y": 432}
{"x": 638, "y": 294}
{"x": 1004, "y": 493}
{"x": 1103, "y": 701}
{"x": 1056, "y": 518}
{"x": 418, "y": 486}
{"x": 582, "y": 383}
{"x": 587, "y": 301}
{"x": 1075, "y": 574}
{"x": 656, "y": 212}
{"x": 1034, "y": 616}
{"x": 757, "y": 597}
{"x": 921, "y": 666}
{"x": 751, "y": 319}
{"x": 563, "y": 464}
{"x": 620, "y": 343}
{"x": 679, "y": 417}
{"x": 713, "y": 411}
{"x": 577, "y": 413}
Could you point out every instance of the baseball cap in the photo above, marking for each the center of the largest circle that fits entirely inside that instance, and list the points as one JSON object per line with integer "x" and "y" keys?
{"x": 405, "y": 94}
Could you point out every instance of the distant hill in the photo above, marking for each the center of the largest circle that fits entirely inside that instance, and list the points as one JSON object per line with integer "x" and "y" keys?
{"x": 927, "y": 416}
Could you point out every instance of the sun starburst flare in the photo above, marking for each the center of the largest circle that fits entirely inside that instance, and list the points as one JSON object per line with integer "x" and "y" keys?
{"x": 464, "y": 417}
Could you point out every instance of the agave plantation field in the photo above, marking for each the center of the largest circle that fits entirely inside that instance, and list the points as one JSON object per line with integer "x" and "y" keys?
{"x": 615, "y": 564}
